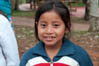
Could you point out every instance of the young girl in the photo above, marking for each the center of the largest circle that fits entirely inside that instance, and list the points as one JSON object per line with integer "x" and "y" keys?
{"x": 52, "y": 21}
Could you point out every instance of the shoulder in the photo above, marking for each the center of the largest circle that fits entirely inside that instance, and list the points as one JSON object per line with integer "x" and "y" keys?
{"x": 79, "y": 54}
{"x": 32, "y": 51}
{"x": 4, "y": 22}
{"x": 35, "y": 51}
{"x": 82, "y": 56}
{"x": 28, "y": 53}
{"x": 27, "y": 56}
{"x": 78, "y": 50}
{"x": 3, "y": 18}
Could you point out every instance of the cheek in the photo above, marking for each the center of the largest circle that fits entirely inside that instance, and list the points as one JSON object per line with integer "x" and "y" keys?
{"x": 40, "y": 33}
{"x": 60, "y": 32}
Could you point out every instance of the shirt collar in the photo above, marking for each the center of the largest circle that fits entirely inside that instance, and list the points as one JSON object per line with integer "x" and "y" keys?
{"x": 39, "y": 49}
{"x": 67, "y": 49}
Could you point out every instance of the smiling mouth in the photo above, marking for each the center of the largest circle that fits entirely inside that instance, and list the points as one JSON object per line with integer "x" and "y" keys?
{"x": 49, "y": 38}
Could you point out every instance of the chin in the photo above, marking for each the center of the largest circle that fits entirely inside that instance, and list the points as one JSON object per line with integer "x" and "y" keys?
{"x": 49, "y": 43}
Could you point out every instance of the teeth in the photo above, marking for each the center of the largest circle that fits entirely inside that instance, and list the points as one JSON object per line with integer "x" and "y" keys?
{"x": 50, "y": 38}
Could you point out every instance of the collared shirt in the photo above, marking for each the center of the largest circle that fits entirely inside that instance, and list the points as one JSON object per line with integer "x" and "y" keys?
{"x": 69, "y": 55}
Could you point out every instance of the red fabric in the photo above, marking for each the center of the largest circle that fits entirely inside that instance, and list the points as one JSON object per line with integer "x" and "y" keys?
{"x": 43, "y": 64}
{"x": 54, "y": 64}
{"x": 60, "y": 64}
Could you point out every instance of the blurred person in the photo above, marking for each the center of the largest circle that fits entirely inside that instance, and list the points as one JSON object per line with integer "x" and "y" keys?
{"x": 9, "y": 55}
{"x": 32, "y": 3}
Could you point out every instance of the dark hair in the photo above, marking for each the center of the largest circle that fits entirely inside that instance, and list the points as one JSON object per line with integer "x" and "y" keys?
{"x": 3, "y": 14}
{"x": 59, "y": 8}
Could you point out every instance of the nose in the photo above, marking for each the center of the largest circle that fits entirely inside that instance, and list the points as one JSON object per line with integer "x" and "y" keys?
{"x": 49, "y": 30}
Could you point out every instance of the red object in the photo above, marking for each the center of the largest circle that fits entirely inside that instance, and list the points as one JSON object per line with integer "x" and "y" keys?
{"x": 54, "y": 64}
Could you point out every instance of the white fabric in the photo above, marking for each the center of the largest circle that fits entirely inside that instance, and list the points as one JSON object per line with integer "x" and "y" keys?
{"x": 64, "y": 60}
{"x": 9, "y": 55}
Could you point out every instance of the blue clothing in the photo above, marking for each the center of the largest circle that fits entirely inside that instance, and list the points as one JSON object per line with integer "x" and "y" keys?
{"x": 5, "y": 6}
{"x": 69, "y": 55}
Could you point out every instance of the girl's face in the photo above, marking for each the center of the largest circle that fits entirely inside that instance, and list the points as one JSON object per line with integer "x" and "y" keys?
{"x": 51, "y": 28}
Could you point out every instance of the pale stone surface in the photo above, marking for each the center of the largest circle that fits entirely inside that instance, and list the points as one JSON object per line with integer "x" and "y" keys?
{"x": 94, "y": 8}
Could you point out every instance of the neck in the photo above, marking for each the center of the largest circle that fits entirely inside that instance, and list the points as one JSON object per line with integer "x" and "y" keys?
{"x": 53, "y": 50}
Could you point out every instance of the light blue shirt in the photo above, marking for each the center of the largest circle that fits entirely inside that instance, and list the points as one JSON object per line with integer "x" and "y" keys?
{"x": 9, "y": 55}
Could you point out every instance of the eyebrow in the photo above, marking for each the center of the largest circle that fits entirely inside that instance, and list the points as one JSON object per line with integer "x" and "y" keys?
{"x": 42, "y": 21}
{"x": 54, "y": 21}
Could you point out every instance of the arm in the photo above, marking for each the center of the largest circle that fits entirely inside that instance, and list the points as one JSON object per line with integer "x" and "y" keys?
{"x": 8, "y": 43}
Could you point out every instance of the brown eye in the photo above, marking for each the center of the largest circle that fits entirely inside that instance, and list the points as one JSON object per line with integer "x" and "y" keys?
{"x": 56, "y": 25}
{"x": 43, "y": 25}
